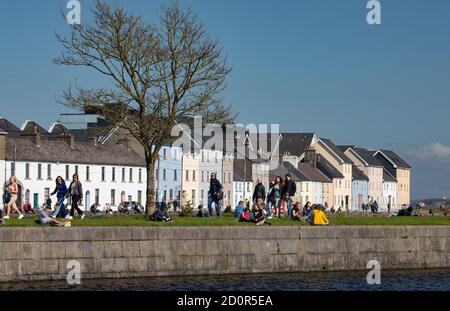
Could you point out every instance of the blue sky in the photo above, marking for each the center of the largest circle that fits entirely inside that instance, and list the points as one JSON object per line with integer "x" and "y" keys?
{"x": 310, "y": 65}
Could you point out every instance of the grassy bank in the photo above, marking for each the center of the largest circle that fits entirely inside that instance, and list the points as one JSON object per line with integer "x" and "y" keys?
{"x": 228, "y": 220}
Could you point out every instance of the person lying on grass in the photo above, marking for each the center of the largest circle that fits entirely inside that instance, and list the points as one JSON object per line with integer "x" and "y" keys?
{"x": 45, "y": 219}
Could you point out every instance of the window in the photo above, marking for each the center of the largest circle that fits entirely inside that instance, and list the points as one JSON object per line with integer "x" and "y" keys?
{"x": 202, "y": 194}
{"x": 164, "y": 154}
{"x": 97, "y": 196}
{"x": 39, "y": 171}
{"x": 175, "y": 154}
{"x": 76, "y": 169}
{"x": 123, "y": 174}
{"x": 139, "y": 198}
{"x": 171, "y": 194}
{"x": 27, "y": 171}
{"x": 131, "y": 175}
{"x": 88, "y": 177}
{"x": 113, "y": 196}
{"x": 113, "y": 177}
{"x": 47, "y": 193}
{"x": 27, "y": 196}
{"x": 165, "y": 195}
{"x": 193, "y": 196}
{"x": 229, "y": 177}
{"x": 164, "y": 174}
{"x": 49, "y": 171}
{"x": 67, "y": 172}
{"x": 203, "y": 156}
{"x": 193, "y": 175}
{"x": 103, "y": 173}
{"x": 140, "y": 175}
{"x": 187, "y": 175}
{"x": 13, "y": 169}
{"x": 175, "y": 175}
{"x": 217, "y": 159}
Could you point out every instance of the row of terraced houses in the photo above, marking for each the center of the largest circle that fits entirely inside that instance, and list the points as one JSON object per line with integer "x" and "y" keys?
{"x": 111, "y": 166}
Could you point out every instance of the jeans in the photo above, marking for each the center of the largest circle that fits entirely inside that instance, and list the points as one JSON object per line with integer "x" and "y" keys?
{"x": 289, "y": 206}
{"x": 211, "y": 200}
{"x": 59, "y": 206}
{"x": 75, "y": 199}
{"x": 270, "y": 205}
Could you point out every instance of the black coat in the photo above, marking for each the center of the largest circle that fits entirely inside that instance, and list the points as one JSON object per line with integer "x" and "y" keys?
{"x": 214, "y": 187}
{"x": 289, "y": 189}
{"x": 260, "y": 192}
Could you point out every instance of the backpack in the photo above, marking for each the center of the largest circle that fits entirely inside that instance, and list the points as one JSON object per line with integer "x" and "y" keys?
{"x": 6, "y": 197}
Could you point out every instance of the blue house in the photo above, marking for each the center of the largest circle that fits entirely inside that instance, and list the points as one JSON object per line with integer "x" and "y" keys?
{"x": 360, "y": 189}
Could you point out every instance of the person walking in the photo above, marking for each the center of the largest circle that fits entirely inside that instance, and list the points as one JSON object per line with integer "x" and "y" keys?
{"x": 13, "y": 190}
{"x": 215, "y": 195}
{"x": 288, "y": 193}
{"x": 259, "y": 194}
{"x": 75, "y": 192}
{"x": 275, "y": 196}
{"x": 61, "y": 192}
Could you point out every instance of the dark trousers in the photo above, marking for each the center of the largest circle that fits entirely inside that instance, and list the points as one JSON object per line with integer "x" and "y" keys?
{"x": 75, "y": 199}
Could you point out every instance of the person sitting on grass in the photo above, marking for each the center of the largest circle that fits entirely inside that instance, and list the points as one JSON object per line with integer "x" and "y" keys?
{"x": 201, "y": 212}
{"x": 45, "y": 219}
{"x": 296, "y": 212}
{"x": 318, "y": 217}
{"x": 239, "y": 210}
{"x": 161, "y": 214}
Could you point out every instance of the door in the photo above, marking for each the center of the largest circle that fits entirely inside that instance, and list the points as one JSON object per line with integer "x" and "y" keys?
{"x": 360, "y": 201}
{"x": 87, "y": 201}
{"x": 35, "y": 200}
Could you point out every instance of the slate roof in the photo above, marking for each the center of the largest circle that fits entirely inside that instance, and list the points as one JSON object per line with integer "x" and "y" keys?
{"x": 58, "y": 129}
{"x": 367, "y": 156}
{"x": 398, "y": 161}
{"x": 295, "y": 143}
{"x": 82, "y": 153}
{"x": 286, "y": 168}
{"x": 388, "y": 177}
{"x": 358, "y": 174}
{"x": 327, "y": 168}
{"x": 312, "y": 173}
{"x": 336, "y": 150}
{"x": 30, "y": 126}
{"x": 9, "y": 128}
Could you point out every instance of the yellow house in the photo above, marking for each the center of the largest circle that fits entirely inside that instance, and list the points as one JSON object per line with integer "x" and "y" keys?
{"x": 342, "y": 187}
{"x": 401, "y": 170}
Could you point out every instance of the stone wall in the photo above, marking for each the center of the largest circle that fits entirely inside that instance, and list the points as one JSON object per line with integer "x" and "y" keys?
{"x": 104, "y": 252}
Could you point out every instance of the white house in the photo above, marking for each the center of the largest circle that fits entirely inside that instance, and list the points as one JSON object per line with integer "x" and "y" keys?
{"x": 109, "y": 174}
{"x": 389, "y": 192}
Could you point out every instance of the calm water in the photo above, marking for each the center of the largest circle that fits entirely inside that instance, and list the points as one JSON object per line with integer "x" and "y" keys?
{"x": 423, "y": 280}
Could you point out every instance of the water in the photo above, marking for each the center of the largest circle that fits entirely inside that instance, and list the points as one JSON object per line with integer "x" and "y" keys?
{"x": 402, "y": 280}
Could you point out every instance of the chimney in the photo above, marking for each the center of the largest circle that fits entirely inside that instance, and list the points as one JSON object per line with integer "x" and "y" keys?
{"x": 2, "y": 145}
{"x": 34, "y": 136}
{"x": 311, "y": 157}
{"x": 68, "y": 138}
{"x": 125, "y": 142}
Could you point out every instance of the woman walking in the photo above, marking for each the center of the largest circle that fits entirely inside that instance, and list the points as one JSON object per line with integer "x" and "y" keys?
{"x": 61, "y": 192}
{"x": 76, "y": 194}
{"x": 12, "y": 189}
{"x": 275, "y": 196}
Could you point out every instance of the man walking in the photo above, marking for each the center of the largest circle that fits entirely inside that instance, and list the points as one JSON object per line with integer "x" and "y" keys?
{"x": 215, "y": 195}
{"x": 259, "y": 195}
{"x": 288, "y": 193}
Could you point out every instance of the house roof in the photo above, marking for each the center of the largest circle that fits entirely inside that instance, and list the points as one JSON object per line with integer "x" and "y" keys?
{"x": 336, "y": 150}
{"x": 327, "y": 168}
{"x": 295, "y": 143}
{"x": 388, "y": 177}
{"x": 23, "y": 149}
{"x": 58, "y": 129}
{"x": 287, "y": 168}
{"x": 29, "y": 127}
{"x": 367, "y": 156}
{"x": 9, "y": 128}
{"x": 358, "y": 174}
{"x": 394, "y": 158}
{"x": 313, "y": 174}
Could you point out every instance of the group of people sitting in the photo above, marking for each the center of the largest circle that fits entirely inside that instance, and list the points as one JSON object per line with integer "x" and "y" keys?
{"x": 312, "y": 214}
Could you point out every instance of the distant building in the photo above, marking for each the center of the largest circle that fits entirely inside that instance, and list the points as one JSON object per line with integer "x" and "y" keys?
{"x": 360, "y": 189}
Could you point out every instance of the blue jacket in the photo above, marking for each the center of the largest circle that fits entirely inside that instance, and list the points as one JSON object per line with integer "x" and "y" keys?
{"x": 61, "y": 189}
{"x": 238, "y": 211}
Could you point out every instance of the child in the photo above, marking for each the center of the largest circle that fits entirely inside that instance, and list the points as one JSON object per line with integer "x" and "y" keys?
{"x": 200, "y": 212}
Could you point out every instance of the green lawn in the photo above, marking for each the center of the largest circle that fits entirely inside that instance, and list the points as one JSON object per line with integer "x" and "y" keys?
{"x": 227, "y": 220}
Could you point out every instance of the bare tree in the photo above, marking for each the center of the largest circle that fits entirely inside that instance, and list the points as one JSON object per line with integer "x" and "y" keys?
{"x": 159, "y": 72}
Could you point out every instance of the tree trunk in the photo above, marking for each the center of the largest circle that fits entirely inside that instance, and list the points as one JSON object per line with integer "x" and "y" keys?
{"x": 150, "y": 202}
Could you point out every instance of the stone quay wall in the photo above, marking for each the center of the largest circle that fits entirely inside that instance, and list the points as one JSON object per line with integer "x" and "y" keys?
{"x": 116, "y": 252}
